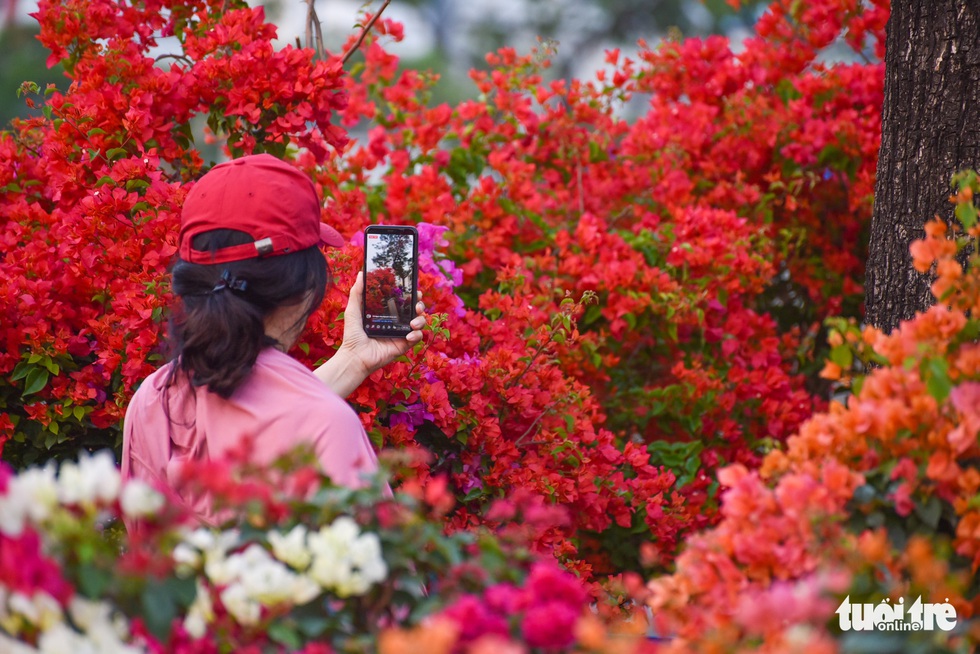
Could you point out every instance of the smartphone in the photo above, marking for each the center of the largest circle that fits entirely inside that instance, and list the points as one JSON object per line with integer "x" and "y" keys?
{"x": 391, "y": 274}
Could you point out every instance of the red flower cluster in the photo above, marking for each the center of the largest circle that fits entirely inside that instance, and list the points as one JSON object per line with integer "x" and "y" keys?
{"x": 90, "y": 192}
{"x": 379, "y": 287}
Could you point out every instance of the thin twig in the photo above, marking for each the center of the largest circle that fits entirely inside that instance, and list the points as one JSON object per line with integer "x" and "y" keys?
{"x": 546, "y": 410}
{"x": 364, "y": 32}
{"x": 179, "y": 57}
{"x": 313, "y": 25}
{"x": 321, "y": 50}
{"x": 309, "y": 23}
{"x": 534, "y": 356}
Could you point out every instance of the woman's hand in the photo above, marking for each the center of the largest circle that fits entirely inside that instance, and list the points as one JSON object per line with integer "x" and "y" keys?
{"x": 360, "y": 355}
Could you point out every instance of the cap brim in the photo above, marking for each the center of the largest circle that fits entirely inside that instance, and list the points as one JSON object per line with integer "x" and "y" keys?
{"x": 330, "y": 236}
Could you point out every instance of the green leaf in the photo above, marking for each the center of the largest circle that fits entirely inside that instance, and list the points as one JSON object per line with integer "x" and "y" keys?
{"x": 593, "y": 313}
{"x": 937, "y": 379}
{"x": 159, "y": 609}
{"x": 37, "y": 379}
{"x": 597, "y": 153}
{"x": 312, "y": 626}
{"x": 930, "y": 512}
{"x": 286, "y": 635}
{"x": 20, "y": 371}
{"x": 92, "y": 581}
{"x": 95, "y": 131}
{"x": 842, "y": 356}
{"x": 857, "y": 385}
{"x": 966, "y": 213}
{"x": 78, "y": 412}
{"x": 116, "y": 153}
{"x": 182, "y": 590}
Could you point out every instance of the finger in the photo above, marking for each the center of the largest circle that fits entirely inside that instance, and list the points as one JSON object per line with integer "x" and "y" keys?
{"x": 418, "y": 322}
{"x": 414, "y": 337}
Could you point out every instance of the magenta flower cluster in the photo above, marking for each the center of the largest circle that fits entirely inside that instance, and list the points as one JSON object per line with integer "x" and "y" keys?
{"x": 542, "y": 613}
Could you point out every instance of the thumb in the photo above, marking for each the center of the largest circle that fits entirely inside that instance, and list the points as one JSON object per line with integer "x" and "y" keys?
{"x": 353, "y": 313}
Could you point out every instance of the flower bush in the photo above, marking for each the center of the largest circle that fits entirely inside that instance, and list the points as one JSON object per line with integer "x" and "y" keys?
{"x": 875, "y": 498}
{"x": 299, "y": 566}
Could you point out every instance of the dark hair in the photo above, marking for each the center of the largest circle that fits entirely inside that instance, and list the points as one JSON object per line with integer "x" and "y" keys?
{"x": 217, "y": 334}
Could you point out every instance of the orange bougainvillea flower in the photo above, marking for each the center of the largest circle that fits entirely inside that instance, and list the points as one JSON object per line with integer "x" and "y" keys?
{"x": 831, "y": 371}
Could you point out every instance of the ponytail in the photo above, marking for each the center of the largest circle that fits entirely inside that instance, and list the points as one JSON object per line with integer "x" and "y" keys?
{"x": 218, "y": 325}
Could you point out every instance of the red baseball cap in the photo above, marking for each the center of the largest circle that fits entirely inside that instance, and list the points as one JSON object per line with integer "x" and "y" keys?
{"x": 273, "y": 202}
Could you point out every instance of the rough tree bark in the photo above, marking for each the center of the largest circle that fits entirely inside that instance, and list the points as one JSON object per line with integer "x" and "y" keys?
{"x": 930, "y": 130}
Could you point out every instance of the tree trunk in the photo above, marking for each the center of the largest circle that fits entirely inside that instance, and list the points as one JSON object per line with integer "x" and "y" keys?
{"x": 929, "y": 130}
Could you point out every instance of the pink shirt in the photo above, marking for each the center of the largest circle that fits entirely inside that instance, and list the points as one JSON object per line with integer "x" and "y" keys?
{"x": 281, "y": 404}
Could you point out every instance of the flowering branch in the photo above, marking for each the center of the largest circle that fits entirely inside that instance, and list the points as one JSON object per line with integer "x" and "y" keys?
{"x": 364, "y": 32}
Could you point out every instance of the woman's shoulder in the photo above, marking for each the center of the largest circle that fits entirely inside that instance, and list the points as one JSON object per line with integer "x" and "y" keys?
{"x": 279, "y": 375}
{"x": 153, "y": 386}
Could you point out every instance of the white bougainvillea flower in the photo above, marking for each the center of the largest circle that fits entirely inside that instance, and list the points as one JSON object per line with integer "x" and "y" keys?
{"x": 202, "y": 539}
{"x": 244, "y": 609}
{"x": 94, "y": 479}
{"x": 12, "y": 515}
{"x": 271, "y": 583}
{"x": 265, "y": 579}
{"x": 105, "y": 629}
{"x": 139, "y": 499}
{"x": 11, "y": 646}
{"x": 291, "y": 548}
{"x": 31, "y": 495}
{"x": 214, "y": 547}
{"x": 328, "y": 572}
{"x": 187, "y": 560}
{"x": 201, "y": 612}
{"x": 222, "y": 571}
{"x": 61, "y": 639}
{"x": 366, "y": 556}
{"x": 40, "y": 486}
{"x": 86, "y": 613}
{"x": 40, "y": 609}
{"x": 344, "y": 560}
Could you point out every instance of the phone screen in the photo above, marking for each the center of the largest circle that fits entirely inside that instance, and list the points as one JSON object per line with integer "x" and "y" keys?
{"x": 390, "y": 280}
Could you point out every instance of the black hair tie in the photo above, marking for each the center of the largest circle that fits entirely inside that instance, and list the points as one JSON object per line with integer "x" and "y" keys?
{"x": 230, "y": 282}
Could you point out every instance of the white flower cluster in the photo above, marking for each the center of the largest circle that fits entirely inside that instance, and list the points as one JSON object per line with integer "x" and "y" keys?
{"x": 338, "y": 559}
{"x": 34, "y": 494}
{"x": 100, "y": 630}
{"x": 33, "y": 497}
{"x": 344, "y": 560}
